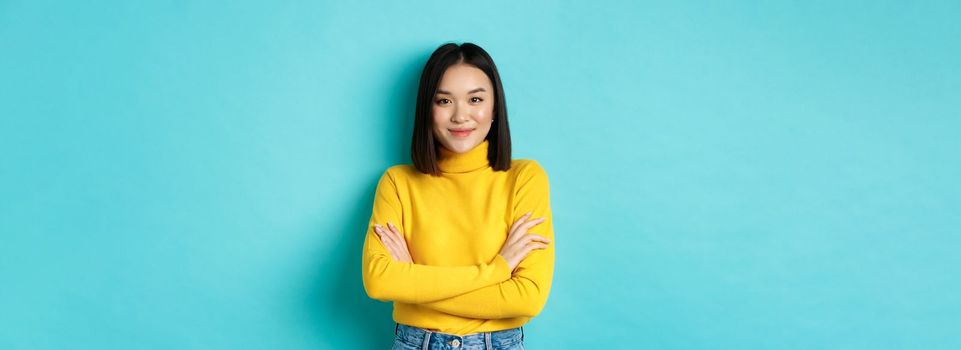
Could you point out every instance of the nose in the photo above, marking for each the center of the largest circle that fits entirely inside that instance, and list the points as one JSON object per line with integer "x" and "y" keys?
{"x": 460, "y": 115}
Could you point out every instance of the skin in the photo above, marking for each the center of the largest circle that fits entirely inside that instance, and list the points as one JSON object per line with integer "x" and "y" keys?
{"x": 464, "y": 100}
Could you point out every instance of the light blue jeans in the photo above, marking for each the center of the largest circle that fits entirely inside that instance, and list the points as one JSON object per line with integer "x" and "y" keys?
{"x": 414, "y": 338}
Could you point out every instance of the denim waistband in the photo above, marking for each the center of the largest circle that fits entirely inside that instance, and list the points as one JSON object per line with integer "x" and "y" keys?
{"x": 488, "y": 340}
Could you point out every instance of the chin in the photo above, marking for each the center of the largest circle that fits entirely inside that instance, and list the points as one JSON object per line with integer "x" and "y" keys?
{"x": 461, "y": 146}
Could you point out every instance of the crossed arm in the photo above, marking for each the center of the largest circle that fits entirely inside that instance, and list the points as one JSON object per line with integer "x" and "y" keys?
{"x": 484, "y": 291}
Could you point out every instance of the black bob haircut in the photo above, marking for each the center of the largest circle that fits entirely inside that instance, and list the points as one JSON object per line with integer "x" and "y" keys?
{"x": 424, "y": 150}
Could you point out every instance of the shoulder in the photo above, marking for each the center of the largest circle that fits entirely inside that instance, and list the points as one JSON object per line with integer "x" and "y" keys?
{"x": 527, "y": 165}
{"x": 528, "y": 168}
{"x": 399, "y": 173}
{"x": 400, "y": 170}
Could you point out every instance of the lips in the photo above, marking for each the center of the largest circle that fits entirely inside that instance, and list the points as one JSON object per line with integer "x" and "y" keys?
{"x": 460, "y": 132}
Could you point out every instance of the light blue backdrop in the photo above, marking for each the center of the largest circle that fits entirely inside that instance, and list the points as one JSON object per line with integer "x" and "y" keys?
{"x": 724, "y": 175}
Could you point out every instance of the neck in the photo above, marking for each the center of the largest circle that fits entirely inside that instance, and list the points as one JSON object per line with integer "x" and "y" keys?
{"x": 474, "y": 159}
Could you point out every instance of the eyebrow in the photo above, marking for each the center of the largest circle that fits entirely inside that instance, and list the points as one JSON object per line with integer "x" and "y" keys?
{"x": 469, "y": 92}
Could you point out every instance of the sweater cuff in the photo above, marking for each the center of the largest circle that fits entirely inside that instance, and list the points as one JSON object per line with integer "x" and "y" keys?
{"x": 502, "y": 268}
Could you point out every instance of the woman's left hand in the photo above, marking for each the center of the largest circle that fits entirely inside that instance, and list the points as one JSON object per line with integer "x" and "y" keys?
{"x": 395, "y": 242}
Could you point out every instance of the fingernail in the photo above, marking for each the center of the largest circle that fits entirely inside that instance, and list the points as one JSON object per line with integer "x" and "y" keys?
{"x": 528, "y": 213}
{"x": 390, "y": 224}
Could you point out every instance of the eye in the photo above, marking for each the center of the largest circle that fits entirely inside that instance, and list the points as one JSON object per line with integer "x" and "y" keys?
{"x": 443, "y": 101}
{"x": 476, "y": 99}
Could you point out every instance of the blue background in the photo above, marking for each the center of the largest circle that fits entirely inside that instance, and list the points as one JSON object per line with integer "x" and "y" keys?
{"x": 724, "y": 175}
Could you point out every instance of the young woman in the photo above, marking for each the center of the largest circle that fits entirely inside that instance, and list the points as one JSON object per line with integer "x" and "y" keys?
{"x": 460, "y": 241}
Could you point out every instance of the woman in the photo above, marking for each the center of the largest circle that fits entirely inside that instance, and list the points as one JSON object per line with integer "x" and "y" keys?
{"x": 460, "y": 240}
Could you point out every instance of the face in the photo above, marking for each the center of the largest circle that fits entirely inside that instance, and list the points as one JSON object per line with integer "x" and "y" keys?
{"x": 463, "y": 108}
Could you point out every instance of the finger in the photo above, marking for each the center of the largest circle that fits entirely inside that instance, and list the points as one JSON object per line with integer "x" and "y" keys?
{"x": 402, "y": 248}
{"x": 400, "y": 245}
{"x": 519, "y": 222}
{"x": 528, "y": 239}
{"x": 539, "y": 238}
{"x": 534, "y": 245}
{"x": 528, "y": 225}
{"x": 516, "y": 228}
{"x": 399, "y": 242}
{"x": 396, "y": 252}
{"x": 389, "y": 247}
{"x": 380, "y": 234}
{"x": 530, "y": 248}
{"x": 387, "y": 235}
{"x": 512, "y": 233}
{"x": 397, "y": 234}
{"x": 525, "y": 227}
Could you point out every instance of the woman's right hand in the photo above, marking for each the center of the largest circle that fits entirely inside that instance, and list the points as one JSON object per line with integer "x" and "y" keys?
{"x": 519, "y": 244}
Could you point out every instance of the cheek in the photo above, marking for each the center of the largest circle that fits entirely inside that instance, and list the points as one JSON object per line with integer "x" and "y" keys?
{"x": 437, "y": 116}
{"x": 483, "y": 112}
{"x": 487, "y": 112}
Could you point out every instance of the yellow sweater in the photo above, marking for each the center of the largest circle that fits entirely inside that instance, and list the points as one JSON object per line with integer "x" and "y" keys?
{"x": 455, "y": 226}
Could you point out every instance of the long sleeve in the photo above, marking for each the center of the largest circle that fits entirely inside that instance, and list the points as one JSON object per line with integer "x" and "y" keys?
{"x": 526, "y": 292}
{"x": 386, "y": 279}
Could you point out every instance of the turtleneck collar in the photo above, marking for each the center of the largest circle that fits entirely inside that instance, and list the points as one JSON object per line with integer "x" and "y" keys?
{"x": 453, "y": 162}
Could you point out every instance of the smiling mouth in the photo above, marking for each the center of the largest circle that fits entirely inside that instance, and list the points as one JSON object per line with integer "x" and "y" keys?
{"x": 460, "y": 133}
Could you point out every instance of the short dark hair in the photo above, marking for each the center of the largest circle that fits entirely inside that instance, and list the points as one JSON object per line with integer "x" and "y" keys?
{"x": 424, "y": 150}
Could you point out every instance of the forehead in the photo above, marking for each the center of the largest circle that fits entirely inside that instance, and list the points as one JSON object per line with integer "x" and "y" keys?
{"x": 461, "y": 78}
